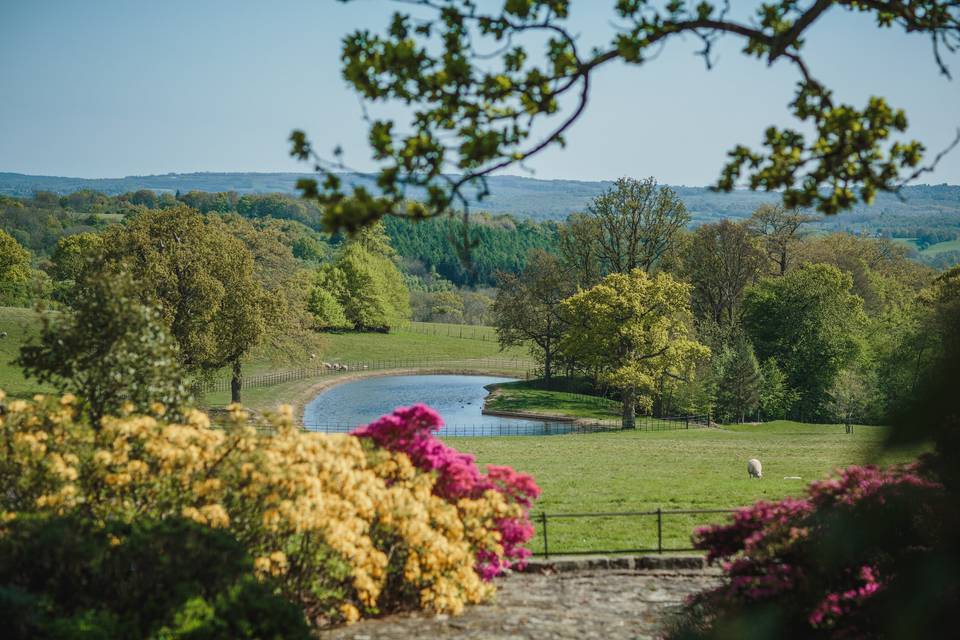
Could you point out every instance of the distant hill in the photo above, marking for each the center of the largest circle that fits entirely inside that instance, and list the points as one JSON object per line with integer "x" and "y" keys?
{"x": 922, "y": 207}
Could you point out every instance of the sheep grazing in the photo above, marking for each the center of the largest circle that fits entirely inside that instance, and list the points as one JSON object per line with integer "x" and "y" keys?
{"x": 754, "y": 469}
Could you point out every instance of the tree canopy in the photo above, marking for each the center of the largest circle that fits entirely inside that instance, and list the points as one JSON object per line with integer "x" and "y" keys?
{"x": 636, "y": 330}
{"x": 474, "y": 112}
{"x": 810, "y": 321}
{"x": 527, "y": 307}
{"x": 201, "y": 278}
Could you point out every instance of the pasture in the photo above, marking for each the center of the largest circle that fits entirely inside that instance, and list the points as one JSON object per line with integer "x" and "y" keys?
{"x": 695, "y": 469}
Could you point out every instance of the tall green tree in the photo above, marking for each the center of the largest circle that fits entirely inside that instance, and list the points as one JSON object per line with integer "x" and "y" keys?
{"x": 721, "y": 261}
{"x": 740, "y": 381}
{"x": 636, "y": 330}
{"x": 634, "y": 223}
{"x": 74, "y": 254}
{"x": 201, "y": 278}
{"x": 362, "y": 285}
{"x": 110, "y": 349}
{"x": 810, "y": 321}
{"x": 527, "y": 309}
{"x": 776, "y": 396}
{"x": 778, "y": 231}
{"x": 849, "y": 396}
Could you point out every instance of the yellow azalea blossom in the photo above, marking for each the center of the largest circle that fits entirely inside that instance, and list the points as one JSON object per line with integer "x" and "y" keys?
{"x": 349, "y": 612}
{"x": 306, "y": 506}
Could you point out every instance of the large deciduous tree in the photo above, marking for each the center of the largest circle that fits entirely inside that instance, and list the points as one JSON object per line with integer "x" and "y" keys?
{"x": 14, "y": 269}
{"x": 201, "y": 278}
{"x": 739, "y": 381}
{"x": 634, "y": 222}
{"x": 809, "y": 321}
{"x": 362, "y": 287}
{"x": 473, "y": 112}
{"x": 527, "y": 307}
{"x": 636, "y": 330}
{"x": 778, "y": 232}
{"x": 721, "y": 261}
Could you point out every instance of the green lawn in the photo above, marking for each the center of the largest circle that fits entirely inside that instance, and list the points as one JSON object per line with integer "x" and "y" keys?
{"x": 696, "y": 469}
{"x": 523, "y": 397}
{"x": 462, "y": 331}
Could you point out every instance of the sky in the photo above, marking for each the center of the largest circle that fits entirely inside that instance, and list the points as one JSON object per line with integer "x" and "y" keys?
{"x": 113, "y": 88}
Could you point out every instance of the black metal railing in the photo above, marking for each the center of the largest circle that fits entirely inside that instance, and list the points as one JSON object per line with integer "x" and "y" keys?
{"x": 541, "y": 521}
{"x": 534, "y": 427}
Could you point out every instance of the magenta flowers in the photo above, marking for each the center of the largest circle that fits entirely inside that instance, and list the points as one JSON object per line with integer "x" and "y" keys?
{"x": 411, "y": 430}
{"x": 826, "y": 564}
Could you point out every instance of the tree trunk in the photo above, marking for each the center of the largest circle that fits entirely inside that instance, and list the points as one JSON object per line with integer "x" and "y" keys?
{"x": 629, "y": 408}
{"x": 547, "y": 365}
{"x": 235, "y": 382}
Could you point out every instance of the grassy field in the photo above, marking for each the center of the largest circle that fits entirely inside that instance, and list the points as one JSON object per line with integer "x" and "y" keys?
{"x": 21, "y": 324}
{"x": 524, "y": 397}
{"x": 696, "y": 469}
{"x": 932, "y": 250}
{"x": 463, "y": 331}
{"x": 942, "y": 247}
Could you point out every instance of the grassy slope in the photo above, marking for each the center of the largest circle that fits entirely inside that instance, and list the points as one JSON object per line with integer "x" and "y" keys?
{"x": 21, "y": 324}
{"x": 520, "y": 396}
{"x": 697, "y": 469}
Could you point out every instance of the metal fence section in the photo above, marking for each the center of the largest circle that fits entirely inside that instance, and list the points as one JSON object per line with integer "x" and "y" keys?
{"x": 464, "y": 331}
{"x": 521, "y": 366}
{"x": 534, "y": 427}
{"x": 541, "y": 521}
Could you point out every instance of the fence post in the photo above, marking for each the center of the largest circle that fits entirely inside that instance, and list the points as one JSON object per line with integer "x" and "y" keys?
{"x": 543, "y": 525}
{"x": 659, "y": 530}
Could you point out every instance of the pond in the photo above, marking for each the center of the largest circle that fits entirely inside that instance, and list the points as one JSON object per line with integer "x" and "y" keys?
{"x": 457, "y": 398}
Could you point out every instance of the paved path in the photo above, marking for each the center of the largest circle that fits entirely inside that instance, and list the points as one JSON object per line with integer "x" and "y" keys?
{"x": 606, "y": 603}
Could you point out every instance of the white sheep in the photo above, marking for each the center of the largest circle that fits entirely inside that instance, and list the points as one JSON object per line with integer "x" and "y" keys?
{"x": 754, "y": 468}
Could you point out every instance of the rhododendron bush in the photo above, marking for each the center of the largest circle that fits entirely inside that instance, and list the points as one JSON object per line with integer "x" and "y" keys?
{"x": 344, "y": 525}
{"x": 831, "y": 564}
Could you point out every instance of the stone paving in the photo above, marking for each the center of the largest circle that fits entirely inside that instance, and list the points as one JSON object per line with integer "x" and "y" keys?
{"x": 594, "y": 603}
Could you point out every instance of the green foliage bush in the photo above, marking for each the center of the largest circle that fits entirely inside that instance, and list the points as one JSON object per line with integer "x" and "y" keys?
{"x": 67, "y": 577}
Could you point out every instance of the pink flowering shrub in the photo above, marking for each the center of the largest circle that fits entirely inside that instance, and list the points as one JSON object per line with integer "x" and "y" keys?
{"x": 830, "y": 564}
{"x": 411, "y": 430}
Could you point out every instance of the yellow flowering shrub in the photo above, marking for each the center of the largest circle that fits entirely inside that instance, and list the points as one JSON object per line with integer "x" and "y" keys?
{"x": 346, "y": 528}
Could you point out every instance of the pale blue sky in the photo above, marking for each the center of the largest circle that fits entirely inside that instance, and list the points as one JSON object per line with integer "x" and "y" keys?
{"x": 127, "y": 87}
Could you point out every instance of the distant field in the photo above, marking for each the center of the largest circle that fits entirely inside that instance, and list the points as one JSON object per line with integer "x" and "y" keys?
{"x": 696, "y": 469}
{"x": 465, "y": 331}
{"x": 942, "y": 247}
{"x": 908, "y": 242}
{"x": 932, "y": 250}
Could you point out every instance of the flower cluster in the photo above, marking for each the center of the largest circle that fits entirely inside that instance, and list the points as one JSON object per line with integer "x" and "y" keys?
{"x": 410, "y": 430}
{"x": 824, "y": 560}
{"x": 343, "y": 526}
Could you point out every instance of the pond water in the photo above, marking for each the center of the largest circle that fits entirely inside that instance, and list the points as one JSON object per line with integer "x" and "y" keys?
{"x": 457, "y": 398}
